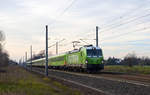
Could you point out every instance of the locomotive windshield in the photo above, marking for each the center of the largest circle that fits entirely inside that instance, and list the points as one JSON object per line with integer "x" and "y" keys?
{"x": 94, "y": 52}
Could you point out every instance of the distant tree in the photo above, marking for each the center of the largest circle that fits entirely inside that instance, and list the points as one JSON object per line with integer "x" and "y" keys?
{"x": 130, "y": 59}
{"x": 41, "y": 54}
{"x": 4, "y": 58}
{"x": 2, "y": 37}
{"x": 13, "y": 62}
{"x": 144, "y": 61}
{"x": 112, "y": 61}
{"x": 0, "y": 48}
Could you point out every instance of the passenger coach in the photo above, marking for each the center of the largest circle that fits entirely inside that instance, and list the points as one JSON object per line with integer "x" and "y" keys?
{"x": 89, "y": 58}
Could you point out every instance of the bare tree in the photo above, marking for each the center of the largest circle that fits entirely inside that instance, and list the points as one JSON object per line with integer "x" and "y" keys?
{"x": 2, "y": 36}
{"x": 131, "y": 59}
{"x": 4, "y": 58}
{"x": 1, "y": 40}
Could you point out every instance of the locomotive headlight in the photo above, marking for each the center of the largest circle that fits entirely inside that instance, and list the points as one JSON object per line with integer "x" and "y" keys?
{"x": 86, "y": 61}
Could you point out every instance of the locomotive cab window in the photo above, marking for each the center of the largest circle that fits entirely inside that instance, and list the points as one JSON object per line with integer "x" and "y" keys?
{"x": 94, "y": 52}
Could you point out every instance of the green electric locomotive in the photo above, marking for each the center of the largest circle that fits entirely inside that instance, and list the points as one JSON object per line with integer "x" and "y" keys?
{"x": 89, "y": 58}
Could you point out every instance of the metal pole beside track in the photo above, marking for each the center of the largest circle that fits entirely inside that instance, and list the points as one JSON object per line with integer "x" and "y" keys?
{"x": 23, "y": 62}
{"x": 56, "y": 48}
{"x": 31, "y": 57}
{"x": 96, "y": 36}
{"x": 46, "y": 59}
{"x": 25, "y": 59}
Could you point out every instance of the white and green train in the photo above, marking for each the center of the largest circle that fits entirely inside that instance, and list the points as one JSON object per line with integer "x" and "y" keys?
{"x": 89, "y": 58}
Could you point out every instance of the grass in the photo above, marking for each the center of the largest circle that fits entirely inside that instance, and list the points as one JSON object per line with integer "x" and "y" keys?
{"x": 17, "y": 81}
{"x": 127, "y": 69}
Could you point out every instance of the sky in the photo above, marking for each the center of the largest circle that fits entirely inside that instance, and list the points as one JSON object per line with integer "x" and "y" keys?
{"x": 124, "y": 25}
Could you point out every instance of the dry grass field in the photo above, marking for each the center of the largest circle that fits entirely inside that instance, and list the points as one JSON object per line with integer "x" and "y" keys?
{"x": 15, "y": 80}
{"x": 127, "y": 69}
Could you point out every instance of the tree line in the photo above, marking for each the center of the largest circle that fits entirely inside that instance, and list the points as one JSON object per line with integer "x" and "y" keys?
{"x": 130, "y": 60}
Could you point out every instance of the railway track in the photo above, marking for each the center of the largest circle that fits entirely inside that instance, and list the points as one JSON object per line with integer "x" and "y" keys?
{"x": 85, "y": 90}
{"x": 106, "y": 84}
{"x": 139, "y": 78}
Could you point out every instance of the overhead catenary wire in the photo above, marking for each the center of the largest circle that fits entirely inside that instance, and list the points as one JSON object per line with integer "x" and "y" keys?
{"x": 63, "y": 12}
{"x": 129, "y": 21}
{"x": 116, "y": 26}
{"x": 125, "y": 15}
{"x": 126, "y": 33}
{"x": 141, "y": 23}
{"x": 84, "y": 41}
{"x": 125, "y": 23}
{"x": 55, "y": 43}
{"x": 67, "y": 8}
{"x": 125, "y": 18}
{"x": 130, "y": 41}
{"x": 127, "y": 27}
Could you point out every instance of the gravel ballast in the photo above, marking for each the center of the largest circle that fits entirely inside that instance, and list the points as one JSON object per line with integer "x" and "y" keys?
{"x": 111, "y": 87}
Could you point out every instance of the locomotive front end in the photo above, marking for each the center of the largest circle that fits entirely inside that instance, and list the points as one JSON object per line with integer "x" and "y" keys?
{"x": 94, "y": 58}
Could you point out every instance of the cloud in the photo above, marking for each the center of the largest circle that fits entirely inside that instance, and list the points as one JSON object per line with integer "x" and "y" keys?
{"x": 24, "y": 22}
